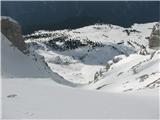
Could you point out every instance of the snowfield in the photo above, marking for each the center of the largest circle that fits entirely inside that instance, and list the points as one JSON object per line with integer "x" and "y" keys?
{"x": 98, "y": 71}
{"x": 42, "y": 99}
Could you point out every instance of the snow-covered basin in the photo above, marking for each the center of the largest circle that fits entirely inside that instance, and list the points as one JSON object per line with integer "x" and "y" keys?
{"x": 42, "y": 98}
{"x": 83, "y": 71}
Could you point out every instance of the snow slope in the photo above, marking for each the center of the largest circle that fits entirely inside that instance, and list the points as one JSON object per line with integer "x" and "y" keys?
{"x": 133, "y": 73}
{"x": 16, "y": 64}
{"x": 40, "y": 99}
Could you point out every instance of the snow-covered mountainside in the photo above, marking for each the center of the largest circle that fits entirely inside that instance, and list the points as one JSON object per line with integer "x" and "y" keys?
{"x": 84, "y": 59}
{"x": 103, "y": 57}
{"x": 14, "y": 64}
{"x": 132, "y": 73}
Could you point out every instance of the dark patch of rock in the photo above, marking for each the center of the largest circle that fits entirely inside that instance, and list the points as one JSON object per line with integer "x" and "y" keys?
{"x": 12, "y": 30}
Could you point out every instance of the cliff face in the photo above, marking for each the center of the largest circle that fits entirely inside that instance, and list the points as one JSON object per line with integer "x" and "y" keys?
{"x": 154, "y": 39}
{"x": 12, "y": 30}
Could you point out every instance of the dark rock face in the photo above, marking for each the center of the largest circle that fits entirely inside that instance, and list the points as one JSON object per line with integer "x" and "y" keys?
{"x": 154, "y": 39}
{"x": 12, "y": 30}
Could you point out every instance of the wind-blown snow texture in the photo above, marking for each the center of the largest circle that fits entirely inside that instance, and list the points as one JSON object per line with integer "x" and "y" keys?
{"x": 107, "y": 58}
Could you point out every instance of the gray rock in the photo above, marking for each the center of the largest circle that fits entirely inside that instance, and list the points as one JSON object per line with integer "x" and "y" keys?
{"x": 12, "y": 30}
{"x": 154, "y": 39}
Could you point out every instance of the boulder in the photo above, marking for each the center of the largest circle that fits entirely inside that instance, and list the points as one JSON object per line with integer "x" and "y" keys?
{"x": 12, "y": 30}
{"x": 154, "y": 39}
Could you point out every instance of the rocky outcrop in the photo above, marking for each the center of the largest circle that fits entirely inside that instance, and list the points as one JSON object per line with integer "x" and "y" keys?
{"x": 12, "y": 30}
{"x": 154, "y": 39}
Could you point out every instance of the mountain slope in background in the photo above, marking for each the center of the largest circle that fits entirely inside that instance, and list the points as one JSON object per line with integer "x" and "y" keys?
{"x": 90, "y": 56}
